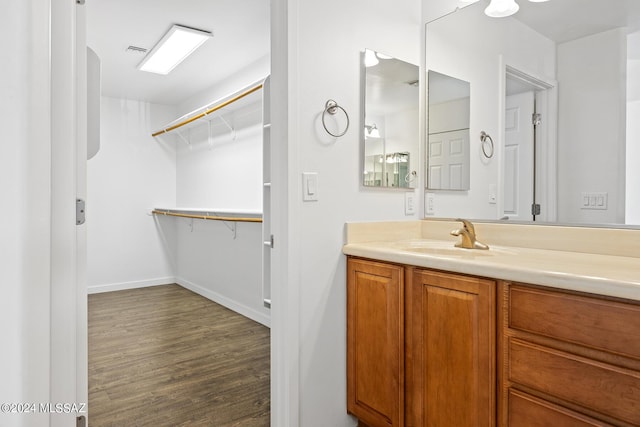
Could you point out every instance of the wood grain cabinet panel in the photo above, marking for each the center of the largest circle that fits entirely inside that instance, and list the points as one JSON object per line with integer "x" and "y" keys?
{"x": 578, "y": 354}
{"x": 375, "y": 342}
{"x": 529, "y": 411}
{"x": 451, "y": 350}
{"x": 584, "y": 320}
{"x": 597, "y": 386}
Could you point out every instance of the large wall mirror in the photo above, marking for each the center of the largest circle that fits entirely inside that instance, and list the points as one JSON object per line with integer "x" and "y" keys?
{"x": 390, "y": 138}
{"x": 557, "y": 86}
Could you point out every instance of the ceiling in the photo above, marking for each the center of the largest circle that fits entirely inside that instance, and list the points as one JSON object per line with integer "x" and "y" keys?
{"x": 240, "y": 30}
{"x": 565, "y": 20}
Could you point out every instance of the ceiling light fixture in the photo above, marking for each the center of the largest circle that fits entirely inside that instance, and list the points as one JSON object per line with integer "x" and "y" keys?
{"x": 371, "y": 131}
{"x": 370, "y": 58}
{"x": 501, "y": 8}
{"x": 173, "y": 48}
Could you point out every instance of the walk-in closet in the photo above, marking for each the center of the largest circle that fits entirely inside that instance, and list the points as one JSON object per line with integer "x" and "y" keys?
{"x": 177, "y": 214}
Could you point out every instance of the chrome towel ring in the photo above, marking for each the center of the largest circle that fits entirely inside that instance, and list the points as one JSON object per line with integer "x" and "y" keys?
{"x": 332, "y": 108}
{"x": 487, "y": 144}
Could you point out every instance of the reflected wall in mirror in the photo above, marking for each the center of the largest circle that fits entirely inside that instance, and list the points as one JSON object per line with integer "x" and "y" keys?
{"x": 390, "y": 122}
{"x": 577, "y": 64}
{"x": 448, "y": 132}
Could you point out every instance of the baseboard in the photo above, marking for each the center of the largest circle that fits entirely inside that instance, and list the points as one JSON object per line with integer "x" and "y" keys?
{"x": 227, "y": 302}
{"x": 130, "y": 285}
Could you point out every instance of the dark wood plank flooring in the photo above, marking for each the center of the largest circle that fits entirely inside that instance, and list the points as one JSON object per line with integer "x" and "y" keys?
{"x": 165, "y": 356}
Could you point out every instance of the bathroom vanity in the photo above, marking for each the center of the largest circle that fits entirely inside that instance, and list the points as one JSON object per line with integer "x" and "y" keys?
{"x": 516, "y": 335}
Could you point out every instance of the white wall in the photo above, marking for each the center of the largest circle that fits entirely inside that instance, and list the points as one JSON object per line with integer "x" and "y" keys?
{"x": 131, "y": 173}
{"x": 590, "y": 89}
{"x": 474, "y": 49}
{"x": 226, "y": 171}
{"x": 25, "y": 177}
{"x": 325, "y": 65}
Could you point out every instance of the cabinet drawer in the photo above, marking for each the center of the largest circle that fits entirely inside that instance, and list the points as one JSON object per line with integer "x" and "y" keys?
{"x": 526, "y": 410}
{"x": 598, "y": 386}
{"x": 600, "y": 324}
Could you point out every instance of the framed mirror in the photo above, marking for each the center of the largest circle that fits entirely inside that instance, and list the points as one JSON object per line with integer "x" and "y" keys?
{"x": 390, "y": 121}
{"x": 557, "y": 87}
{"x": 448, "y": 132}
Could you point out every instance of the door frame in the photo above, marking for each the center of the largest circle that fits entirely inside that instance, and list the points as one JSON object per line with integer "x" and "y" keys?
{"x": 68, "y": 290}
{"x": 65, "y": 330}
{"x": 546, "y": 135}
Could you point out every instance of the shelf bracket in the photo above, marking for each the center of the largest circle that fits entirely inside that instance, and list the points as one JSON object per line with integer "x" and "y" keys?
{"x": 187, "y": 141}
{"x": 233, "y": 131}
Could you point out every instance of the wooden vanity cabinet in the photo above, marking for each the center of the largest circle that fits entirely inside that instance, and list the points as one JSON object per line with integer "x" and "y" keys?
{"x": 375, "y": 342}
{"x": 421, "y": 346}
{"x": 450, "y": 349}
{"x": 567, "y": 359}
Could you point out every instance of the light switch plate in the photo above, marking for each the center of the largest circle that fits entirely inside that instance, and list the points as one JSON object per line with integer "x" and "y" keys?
{"x": 429, "y": 202}
{"x": 309, "y": 186}
{"x": 410, "y": 203}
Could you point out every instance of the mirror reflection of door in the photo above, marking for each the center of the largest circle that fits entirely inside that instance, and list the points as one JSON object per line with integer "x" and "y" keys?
{"x": 519, "y": 173}
{"x": 525, "y": 194}
{"x": 448, "y": 126}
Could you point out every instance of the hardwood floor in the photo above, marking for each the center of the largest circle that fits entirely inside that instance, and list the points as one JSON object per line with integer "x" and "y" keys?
{"x": 165, "y": 356}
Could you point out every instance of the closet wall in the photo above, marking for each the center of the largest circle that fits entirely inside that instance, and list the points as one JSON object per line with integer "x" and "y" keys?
{"x": 131, "y": 248}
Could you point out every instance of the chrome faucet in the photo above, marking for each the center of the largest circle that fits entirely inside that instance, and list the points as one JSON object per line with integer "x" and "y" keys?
{"x": 468, "y": 235}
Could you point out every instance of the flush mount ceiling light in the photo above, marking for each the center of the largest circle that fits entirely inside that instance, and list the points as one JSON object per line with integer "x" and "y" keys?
{"x": 178, "y": 43}
{"x": 370, "y": 58}
{"x": 501, "y": 8}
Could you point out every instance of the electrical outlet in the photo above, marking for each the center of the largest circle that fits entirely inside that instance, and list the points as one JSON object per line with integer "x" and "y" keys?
{"x": 594, "y": 201}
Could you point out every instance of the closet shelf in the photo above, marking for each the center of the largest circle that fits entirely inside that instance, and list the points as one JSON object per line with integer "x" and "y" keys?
{"x": 203, "y": 112}
{"x": 211, "y": 214}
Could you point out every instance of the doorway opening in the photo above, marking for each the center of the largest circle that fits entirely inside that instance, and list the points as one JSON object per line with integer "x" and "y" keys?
{"x": 212, "y": 168}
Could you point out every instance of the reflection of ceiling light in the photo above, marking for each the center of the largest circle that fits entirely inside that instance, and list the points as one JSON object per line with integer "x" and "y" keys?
{"x": 370, "y": 58}
{"x": 501, "y": 8}
{"x": 371, "y": 131}
{"x": 178, "y": 43}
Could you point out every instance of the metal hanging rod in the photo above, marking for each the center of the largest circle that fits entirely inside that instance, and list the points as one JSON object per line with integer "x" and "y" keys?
{"x": 208, "y": 111}
{"x": 206, "y": 216}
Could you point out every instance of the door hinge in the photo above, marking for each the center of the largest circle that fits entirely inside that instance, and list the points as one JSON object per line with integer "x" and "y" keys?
{"x": 81, "y": 421}
{"x": 80, "y": 211}
{"x": 536, "y": 119}
{"x": 535, "y": 209}
{"x": 79, "y": 1}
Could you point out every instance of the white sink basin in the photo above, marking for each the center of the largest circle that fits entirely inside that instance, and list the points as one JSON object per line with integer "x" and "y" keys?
{"x": 445, "y": 249}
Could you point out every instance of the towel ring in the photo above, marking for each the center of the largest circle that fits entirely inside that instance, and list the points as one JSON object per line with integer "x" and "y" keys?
{"x": 484, "y": 137}
{"x": 332, "y": 108}
{"x": 410, "y": 177}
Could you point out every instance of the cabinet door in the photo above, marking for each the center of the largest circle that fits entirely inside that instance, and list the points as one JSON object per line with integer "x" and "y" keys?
{"x": 451, "y": 350}
{"x": 375, "y": 342}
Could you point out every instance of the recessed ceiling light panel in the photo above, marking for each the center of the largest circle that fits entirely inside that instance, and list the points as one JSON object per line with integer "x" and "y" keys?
{"x": 178, "y": 43}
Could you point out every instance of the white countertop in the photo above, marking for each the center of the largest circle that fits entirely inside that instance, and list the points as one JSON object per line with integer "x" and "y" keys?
{"x": 611, "y": 275}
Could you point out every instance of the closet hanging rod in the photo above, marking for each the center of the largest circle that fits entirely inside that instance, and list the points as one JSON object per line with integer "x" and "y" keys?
{"x": 207, "y": 217}
{"x": 209, "y": 111}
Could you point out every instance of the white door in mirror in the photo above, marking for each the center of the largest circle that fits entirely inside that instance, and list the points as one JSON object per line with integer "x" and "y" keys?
{"x": 309, "y": 186}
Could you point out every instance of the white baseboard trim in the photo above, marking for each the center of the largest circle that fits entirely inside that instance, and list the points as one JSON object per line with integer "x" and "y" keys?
{"x": 227, "y": 302}
{"x": 97, "y": 289}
